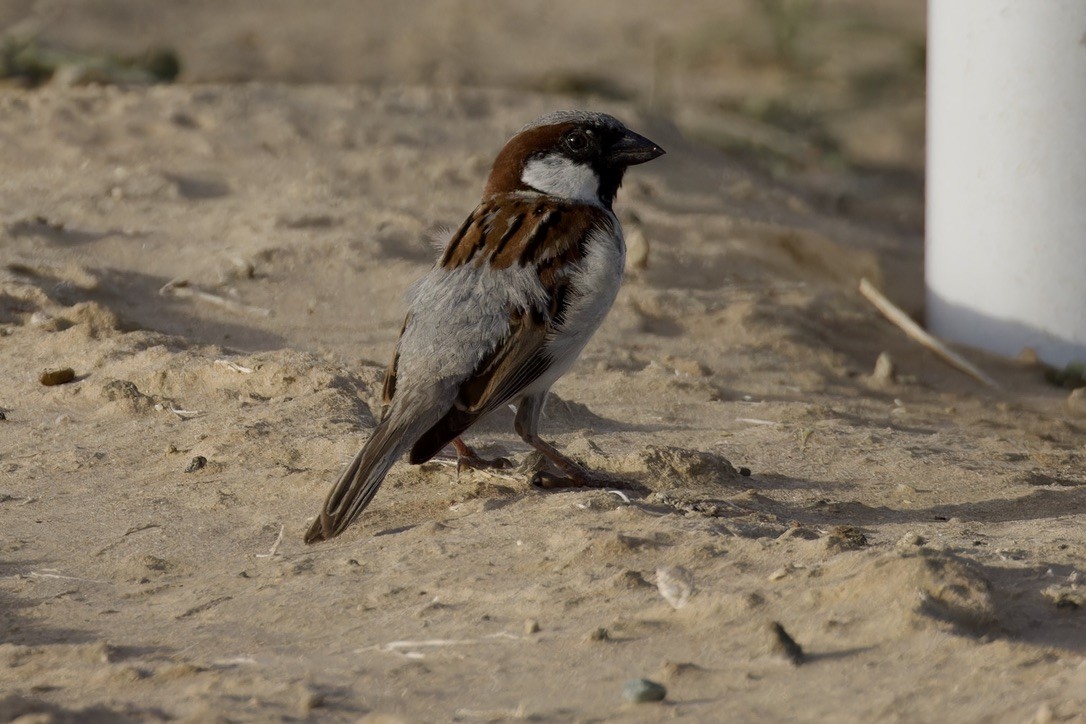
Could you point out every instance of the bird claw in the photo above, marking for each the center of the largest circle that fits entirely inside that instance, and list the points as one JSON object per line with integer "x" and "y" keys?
{"x": 475, "y": 462}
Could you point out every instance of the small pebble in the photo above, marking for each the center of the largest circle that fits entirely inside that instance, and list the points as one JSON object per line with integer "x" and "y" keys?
{"x": 3, "y": 416}
{"x": 308, "y": 700}
{"x": 885, "y": 371}
{"x": 56, "y": 376}
{"x": 676, "y": 585}
{"x": 1043, "y": 715}
{"x": 640, "y": 691}
{"x": 911, "y": 539}
{"x": 599, "y": 634}
{"x": 785, "y": 645}
{"x": 846, "y": 538}
{"x": 779, "y": 573}
{"x": 531, "y": 626}
{"x": 197, "y": 463}
{"x": 672, "y": 670}
{"x": 745, "y": 472}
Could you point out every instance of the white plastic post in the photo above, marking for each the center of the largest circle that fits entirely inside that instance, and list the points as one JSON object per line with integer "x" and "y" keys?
{"x": 1005, "y": 259}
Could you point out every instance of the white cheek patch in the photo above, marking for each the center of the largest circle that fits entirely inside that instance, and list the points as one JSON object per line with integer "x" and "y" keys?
{"x": 559, "y": 176}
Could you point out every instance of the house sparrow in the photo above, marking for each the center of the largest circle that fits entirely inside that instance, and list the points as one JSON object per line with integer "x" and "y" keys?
{"x": 518, "y": 291}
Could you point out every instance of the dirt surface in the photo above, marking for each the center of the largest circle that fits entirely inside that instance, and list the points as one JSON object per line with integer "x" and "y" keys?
{"x": 221, "y": 265}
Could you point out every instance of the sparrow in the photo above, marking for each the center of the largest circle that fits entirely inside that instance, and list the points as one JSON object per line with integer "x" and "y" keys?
{"x": 516, "y": 294}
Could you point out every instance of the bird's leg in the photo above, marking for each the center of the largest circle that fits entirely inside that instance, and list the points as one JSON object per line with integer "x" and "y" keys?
{"x": 467, "y": 459}
{"x": 573, "y": 475}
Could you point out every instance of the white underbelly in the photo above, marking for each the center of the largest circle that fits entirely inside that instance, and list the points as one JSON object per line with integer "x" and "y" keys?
{"x": 595, "y": 285}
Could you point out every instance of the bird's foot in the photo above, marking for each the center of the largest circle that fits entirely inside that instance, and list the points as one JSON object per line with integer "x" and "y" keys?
{"x": 476, "y": 462}
{"x": 468, "y": 459}
{"x": 551, "y": 470}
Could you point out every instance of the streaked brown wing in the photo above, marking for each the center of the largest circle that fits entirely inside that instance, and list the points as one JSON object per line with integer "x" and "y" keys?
{"x": 510, "y": 368}
{"x": 515, "y": 229}
{"x": 389, "y": 387}
{"x": 504, "y": 231}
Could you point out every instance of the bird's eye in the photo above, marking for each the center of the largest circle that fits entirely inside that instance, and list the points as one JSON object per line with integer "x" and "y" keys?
{"x": 577, "y": 141}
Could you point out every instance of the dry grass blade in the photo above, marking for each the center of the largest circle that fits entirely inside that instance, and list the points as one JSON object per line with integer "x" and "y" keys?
{"x": 919, "y": 334}
{"x": 182, "y": 288}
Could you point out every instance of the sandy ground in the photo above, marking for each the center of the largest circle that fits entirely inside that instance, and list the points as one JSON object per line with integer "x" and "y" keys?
{"x": 221, "y": 264}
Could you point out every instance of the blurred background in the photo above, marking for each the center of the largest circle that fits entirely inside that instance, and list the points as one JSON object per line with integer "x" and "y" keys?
{"x": 825, "y": 96}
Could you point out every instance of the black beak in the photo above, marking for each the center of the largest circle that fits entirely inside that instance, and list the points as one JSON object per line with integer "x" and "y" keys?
{"x": 633, "y": 149}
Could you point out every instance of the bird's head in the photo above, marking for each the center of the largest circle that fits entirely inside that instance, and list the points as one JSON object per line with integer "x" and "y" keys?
{"x": 572, "y": 155}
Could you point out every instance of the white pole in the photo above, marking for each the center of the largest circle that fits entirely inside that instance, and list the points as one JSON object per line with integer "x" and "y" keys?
{"x": 1006, "y": 199}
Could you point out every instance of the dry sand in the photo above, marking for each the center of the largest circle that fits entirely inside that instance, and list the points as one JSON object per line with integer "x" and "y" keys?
{"x": 222, "y": 267}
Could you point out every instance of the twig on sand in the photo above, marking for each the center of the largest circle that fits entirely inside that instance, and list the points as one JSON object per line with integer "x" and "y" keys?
{"x": 446, "y": 463}
{"x": 182, "y": 288}
{"x": 183, "y": 414}
{"x": 404, "y": 648}
{"x": 493, "y": 714}
{"x": 275, "y": 545}
{"x": 44, "y": 574}
{"x": 918, "y": 334}
{"x": 234, "y": 366}
{"x": 625, "y": 498}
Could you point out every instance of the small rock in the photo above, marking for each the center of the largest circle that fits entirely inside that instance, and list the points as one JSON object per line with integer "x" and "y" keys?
{"x": 43, "y": 320}
{"x": 676, "y": 585}
{"x": 640, "y": 691}
{"x": 531, "y": 626}
{"x": 745, "y": 472}
{"x": 3, "y": 415}
{"x": 599, "y": 634}
{"x": 56, "y": 376}
{"x": 308, "y": 700}
{"x": 779, "y": 573}
{"x": 672, "y": 670}
{"x": 687, "y": 366}
{"x": 911, "y": 540}
{"x": 846, "y": 538}
{"x": 753, "y": 600}
{"x": 629, "y": 580}
{"x": 904, "y": 491}
{"x": 154, "y": 563}
{"x": 197, "y": 463}
{"x": 885, "y": 372}
{"x": 236, "y": 268}
{"x": 1043, "y": 715}
{"x": 784, "y": 645}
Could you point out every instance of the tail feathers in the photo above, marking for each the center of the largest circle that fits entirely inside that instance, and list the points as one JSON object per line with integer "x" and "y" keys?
{"x": 359, "y": 483}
